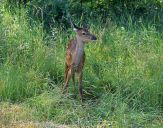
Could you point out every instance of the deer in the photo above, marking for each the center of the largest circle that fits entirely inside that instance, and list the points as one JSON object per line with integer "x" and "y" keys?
{"x": 75, "y": 57}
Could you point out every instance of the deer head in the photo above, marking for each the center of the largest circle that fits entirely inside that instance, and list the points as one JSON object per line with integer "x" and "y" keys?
{"x": 84, "y": 34}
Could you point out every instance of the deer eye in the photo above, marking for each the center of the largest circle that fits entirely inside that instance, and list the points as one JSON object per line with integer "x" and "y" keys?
{"x": 84, "y": 33}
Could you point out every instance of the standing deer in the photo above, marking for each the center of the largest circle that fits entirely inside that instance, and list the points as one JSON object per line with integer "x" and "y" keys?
{"x": 75, "y": 57}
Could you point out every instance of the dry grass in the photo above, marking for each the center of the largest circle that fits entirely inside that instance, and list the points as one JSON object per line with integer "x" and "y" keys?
{"x": 16, "y": 116}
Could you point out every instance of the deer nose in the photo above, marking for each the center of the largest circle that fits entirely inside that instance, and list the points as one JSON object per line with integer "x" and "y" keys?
{"x": 93, "y": 38}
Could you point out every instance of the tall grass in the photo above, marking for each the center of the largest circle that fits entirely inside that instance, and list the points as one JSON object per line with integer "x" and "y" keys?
{"x": 23, "y": 54}
{"x": 122, "y": 76}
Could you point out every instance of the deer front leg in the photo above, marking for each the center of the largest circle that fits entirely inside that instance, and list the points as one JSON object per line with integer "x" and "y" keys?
{"x": 80, "y": 75}
{"x": 68, "y": 77}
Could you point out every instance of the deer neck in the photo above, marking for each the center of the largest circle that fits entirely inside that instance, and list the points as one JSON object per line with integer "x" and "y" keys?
{"x": 80, "y": 44}
{"x": 79, "y": 51}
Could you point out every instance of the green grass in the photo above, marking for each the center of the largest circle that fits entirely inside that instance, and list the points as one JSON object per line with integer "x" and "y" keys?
{"x": 123, "y": 76}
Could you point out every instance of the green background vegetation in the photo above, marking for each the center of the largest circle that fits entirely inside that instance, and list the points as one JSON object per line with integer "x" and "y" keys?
{"x": 123, "y": 73}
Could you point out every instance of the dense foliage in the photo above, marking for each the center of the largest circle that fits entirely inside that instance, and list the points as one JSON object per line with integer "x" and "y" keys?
{"x": 55, "y": 11}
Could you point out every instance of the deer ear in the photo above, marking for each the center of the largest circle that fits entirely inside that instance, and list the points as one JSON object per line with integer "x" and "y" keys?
{"x": 75, "y": 29}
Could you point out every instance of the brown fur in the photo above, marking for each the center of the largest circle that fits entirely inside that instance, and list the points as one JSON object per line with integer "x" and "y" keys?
{"x": 75, "y": 57}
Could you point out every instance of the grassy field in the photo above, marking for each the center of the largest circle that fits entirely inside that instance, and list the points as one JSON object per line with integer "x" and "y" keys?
{"x": 123, "y": 76}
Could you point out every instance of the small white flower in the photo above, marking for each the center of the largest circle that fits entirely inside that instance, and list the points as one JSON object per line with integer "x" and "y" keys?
{"x": 122, "y": 28}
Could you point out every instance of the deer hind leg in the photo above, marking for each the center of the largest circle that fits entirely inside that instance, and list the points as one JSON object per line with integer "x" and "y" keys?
{"x": 68, "y": 74}
{"x": 80, "y": 75}
{"x": 73, "y": 79}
